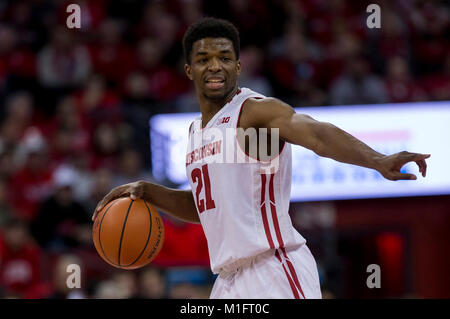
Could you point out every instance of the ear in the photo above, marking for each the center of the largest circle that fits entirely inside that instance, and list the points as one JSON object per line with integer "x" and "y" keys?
{"x": 238, "y": 67}
{"x": 188, "y": 70}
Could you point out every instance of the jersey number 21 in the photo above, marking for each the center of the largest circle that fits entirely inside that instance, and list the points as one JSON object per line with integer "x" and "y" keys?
{"x": 202, "y": 177}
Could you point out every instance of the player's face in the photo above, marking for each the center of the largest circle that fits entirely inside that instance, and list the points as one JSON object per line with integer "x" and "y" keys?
{"x": 214, "y": 68}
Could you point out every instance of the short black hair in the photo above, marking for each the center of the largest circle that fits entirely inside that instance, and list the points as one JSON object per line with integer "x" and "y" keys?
{"x": 210, "y": 28}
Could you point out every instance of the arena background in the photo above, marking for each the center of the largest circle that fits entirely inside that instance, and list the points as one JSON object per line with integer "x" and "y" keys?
{"x": 74, "y": 110}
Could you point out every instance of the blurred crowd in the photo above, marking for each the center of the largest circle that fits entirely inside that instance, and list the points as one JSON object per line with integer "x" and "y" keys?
{"x": 75, "y": 104}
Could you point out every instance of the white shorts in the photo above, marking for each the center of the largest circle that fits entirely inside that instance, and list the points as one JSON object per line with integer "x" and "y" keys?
{"x": 275, "y": 274}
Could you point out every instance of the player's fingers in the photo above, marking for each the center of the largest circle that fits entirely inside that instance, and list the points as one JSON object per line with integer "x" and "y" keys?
{"x": 115, "y": 193}
{"x": 424, "y": 171}
{"x": 136, "y": 192}
{"x": 417, "y": 156}
{"x": 406, "y": 157}
{"x": 112, "y": 195}
{"x": 97, "y": 209}
{"x": 422, "y": 167}
{"x": 102, "y": 204}
{"x": 403, "y": 176}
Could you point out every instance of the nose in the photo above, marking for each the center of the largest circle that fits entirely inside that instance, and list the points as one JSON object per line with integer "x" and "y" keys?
{"x": 214, "y": 65}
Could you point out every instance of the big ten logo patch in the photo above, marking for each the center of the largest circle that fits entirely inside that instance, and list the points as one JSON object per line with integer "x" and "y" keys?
{"x": 223, "y": 120}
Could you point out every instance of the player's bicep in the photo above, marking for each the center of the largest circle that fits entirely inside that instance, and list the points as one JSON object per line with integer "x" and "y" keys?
{"x": 295, "y": 128}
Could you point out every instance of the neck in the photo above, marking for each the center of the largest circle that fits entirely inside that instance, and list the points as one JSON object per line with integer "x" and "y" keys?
{"x": 210, "y": 107}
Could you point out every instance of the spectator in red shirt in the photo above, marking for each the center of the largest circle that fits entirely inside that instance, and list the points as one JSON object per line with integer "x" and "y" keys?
{"x": 14, "y": 61}
{"x": 19, "y": 260}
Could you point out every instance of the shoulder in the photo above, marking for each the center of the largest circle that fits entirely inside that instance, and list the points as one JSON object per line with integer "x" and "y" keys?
{"x": 257, "y": 112}
{"x": 258, "y": 105}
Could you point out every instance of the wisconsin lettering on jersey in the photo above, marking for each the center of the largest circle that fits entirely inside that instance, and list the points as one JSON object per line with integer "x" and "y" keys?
{"x": 221, "y": 144}
{"x": 200, "y": 153}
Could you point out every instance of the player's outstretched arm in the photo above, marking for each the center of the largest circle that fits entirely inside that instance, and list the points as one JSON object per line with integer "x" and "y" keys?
{"x": 325, "y": 139}
{"x": 178, "y": 203}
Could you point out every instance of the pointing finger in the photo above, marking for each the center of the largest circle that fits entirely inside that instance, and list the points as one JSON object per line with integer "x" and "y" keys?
{"x": 417, "y": 157}
{"x": 403, "y": 176}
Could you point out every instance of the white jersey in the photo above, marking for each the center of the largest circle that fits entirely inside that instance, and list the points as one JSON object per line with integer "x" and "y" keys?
{"x": 243, "y": 208}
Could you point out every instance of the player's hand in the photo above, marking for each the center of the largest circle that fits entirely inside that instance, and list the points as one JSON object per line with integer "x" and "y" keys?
{"x": 390, "y": 166}
{"x": 134, "y": 190}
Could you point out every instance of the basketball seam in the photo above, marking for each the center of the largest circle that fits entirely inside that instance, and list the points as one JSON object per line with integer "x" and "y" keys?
{"x": 123, "y": 231}
{"x": 148, "y": 238}
{"x": 100, "y": 232}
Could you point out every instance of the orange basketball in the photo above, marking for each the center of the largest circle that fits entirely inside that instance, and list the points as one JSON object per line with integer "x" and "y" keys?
{"x": 128, "y": 234}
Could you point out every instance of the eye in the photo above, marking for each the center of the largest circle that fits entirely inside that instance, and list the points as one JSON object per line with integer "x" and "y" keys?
{"x": 225, "y": 59}
{"x": 203, "y": 60}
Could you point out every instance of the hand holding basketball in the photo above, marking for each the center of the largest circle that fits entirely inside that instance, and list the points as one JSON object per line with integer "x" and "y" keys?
{"x": 134, "y": 190}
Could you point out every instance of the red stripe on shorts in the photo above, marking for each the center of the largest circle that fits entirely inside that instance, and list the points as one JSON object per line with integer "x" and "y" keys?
{"x": 294, "y": 290}
{"x": 263, "y": 211}
{"x": 273, "y": 210}
{"x": 292, "y": 270}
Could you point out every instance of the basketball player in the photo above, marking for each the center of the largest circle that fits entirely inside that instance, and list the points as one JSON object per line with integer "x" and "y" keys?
{"x": 243, "y": 209}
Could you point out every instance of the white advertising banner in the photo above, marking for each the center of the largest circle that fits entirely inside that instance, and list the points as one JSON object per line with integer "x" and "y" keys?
{"x": 387, "y": 128}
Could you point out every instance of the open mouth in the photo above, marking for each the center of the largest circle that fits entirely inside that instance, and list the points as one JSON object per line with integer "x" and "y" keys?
{"x": 215, "y": 83}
